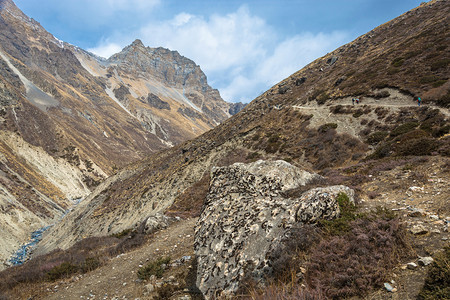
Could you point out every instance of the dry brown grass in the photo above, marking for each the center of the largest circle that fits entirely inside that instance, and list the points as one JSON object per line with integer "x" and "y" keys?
{"x": 190, "y": 202}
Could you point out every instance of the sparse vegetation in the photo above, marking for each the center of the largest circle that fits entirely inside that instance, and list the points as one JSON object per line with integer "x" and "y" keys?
{"x": 155, "y": 268}
{"x": 83, "y": 257}
{"x": 404, "y": 128}
{"x": 341, "y": 225}
{"x": 325, "y": 127}
{"x": 354, "y": 263}
{"x": 63, "y": 270}
{"x": 377, "y": 137}
{"x": 437, "y": 282}
{"x": 344, "y": 257}
{"x": 123, "y": 233}
{"x": 190, "y": 202}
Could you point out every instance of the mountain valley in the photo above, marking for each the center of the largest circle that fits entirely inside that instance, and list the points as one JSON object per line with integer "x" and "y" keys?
{"x": 70, "y": 119}
{"x": 165, "y": 171}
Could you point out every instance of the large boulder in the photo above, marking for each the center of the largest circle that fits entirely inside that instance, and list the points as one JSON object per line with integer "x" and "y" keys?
{"x": 246, "y": 216}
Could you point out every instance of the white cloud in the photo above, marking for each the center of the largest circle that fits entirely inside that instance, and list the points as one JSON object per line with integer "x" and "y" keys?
{"x": 294, "y": 53}
{"x": 239, "y": 52}
{"x": 106, "y": 49}
{"x": 288, "y": 57}
{"x": 216, "y": 43}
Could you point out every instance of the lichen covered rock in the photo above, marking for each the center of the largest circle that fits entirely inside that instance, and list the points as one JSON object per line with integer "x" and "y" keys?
{"x": 246, "y": 215}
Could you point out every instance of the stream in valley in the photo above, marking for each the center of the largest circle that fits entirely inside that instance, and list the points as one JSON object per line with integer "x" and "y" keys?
{"x": 24, "y": 251}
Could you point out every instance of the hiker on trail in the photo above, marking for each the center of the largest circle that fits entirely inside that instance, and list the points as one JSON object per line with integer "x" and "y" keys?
{"x": 357, "y": 101}
{"x": 353, "y": 101}
{"x": 419, "y": 101}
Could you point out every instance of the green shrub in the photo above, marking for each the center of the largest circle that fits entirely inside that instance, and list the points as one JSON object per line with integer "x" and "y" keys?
{"x": 440, "y": 64}
{"x": 123, "y": 233}
{"x": 404, "y": 128}
{"x": 377, "y": 137}
{"x": 397, "y": 62}
{"x": 439, "y": 83}
{"x": 421, "y": 146}
{"x": 327, "y": 126}
{"x": 153, "y": 268}
{"x": 63, "y": 270}
{"x": 90, "y": 264}
{"x": 341, "y": 224}
{"x": 437, "y": 282}
{"x": 429, "y": 79}
{"x": 322, "y": 98}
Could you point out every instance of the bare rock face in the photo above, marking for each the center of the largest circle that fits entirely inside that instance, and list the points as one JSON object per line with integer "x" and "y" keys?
{"x": 246, "y": 216}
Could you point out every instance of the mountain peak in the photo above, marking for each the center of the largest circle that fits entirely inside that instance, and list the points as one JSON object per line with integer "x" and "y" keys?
{"x": 138, "y": 43}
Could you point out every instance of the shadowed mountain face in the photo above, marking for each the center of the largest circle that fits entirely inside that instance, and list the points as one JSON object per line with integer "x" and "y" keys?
{"x": 307, "y": 119}
{"x": 68, "y": 119}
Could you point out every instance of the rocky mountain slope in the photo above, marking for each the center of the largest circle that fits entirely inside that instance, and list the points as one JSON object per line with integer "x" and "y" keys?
{"x": 69, "y": 119}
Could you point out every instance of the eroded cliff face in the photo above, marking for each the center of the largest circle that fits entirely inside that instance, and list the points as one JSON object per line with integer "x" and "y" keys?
{"x": 69, "y": 119}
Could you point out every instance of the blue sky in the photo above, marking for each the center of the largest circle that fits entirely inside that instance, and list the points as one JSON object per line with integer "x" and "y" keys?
{"x": 244, "y": 47}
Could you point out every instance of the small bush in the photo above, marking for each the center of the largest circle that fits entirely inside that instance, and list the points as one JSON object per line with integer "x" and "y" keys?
{"x": 322, "y": 98}
{"x": 326, "y": 127}
{"x": 444, "y": 101}
{"x": 398, "y": 62}
{"x": 133, "y": 241}
{"x": 377, "y": 137}
{"x": 437, "y": 282}
{"x": 340, "y": 109}
{"x": 165, "y": 292}
{"x": 341, "y": 225}
{"x": 381, "y": 112}
{"x": 253, "y": 155}
{"x": 438, "y": 83}
{"x": 122, "y": 234}
{"x": 421, "y": 146}
{"x": 439, "y": 64}
{"x": 190, "y": 202}
{"x": 429, "y": 79}
{"x": 63, "y": 270}
{"x": 155, "y": 268}
{"x": 286, "y": 255}
{"x": 285, "y": 292}
{"x": 358, "y": 113}
{"x": 441, "y": 131}
{"x": 379, "y": 95}
{"x": 90, "y": 264}
{"x": 404, "y": 128}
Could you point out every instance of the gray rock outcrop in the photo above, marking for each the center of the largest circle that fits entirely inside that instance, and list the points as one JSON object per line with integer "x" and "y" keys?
{"x": 246, "y": 216}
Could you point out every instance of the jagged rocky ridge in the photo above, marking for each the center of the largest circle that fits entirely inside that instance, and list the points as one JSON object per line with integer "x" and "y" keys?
{"x": 246, "y": 216}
